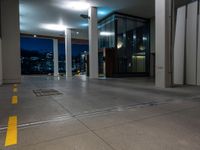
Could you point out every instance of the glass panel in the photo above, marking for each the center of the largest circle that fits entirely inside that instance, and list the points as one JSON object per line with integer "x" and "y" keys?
{"x": 132, "y": 43}
{"x": 107, "y": 33}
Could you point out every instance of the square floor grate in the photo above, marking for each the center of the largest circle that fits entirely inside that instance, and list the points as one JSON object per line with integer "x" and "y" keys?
{"x": 46, "y": 92}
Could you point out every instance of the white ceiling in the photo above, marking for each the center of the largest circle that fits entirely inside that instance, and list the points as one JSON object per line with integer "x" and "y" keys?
{"x": 34, "y": 13}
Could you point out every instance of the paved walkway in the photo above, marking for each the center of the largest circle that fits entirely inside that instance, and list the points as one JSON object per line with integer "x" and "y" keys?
{"x": 45, "y": 113}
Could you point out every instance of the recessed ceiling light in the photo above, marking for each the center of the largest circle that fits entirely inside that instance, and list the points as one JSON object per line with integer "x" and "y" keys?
{"x": 106, "y": 33}
{"x": 84, "y": 24}
{"x": 78, "y": 5}
{"x": 54, "y": 27}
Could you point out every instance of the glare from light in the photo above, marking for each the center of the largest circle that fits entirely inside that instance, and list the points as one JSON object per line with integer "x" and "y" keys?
{"x": 77, "y": 33}
{"x": 102, "y": 13}
{"x": 78, "y": 5}
{"x": 138, "y": 57}
{"x": 83, "y": 55}
{"x": 106, "y": 33}
{"x": 34, "y": 36}
{"x": 84, "y": 24}
{"x": 54, "y": 27}
{"x": 142, "y": 47}
{"x": 134, "y": 37}
{"x": 144, "y": 38}
{"x": 119, "y": 45}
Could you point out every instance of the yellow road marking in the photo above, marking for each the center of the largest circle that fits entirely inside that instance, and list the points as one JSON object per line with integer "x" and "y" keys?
{"x": 15, "y": 90}
{"x": 11, "y": 136}
{"x": 14, "y": 100}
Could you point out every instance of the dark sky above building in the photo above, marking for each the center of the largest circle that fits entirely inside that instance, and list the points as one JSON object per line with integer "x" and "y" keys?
{"x": 46, "y": 45}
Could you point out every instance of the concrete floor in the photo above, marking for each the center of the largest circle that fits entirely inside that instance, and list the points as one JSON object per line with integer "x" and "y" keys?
{"x": 113, "y": 114}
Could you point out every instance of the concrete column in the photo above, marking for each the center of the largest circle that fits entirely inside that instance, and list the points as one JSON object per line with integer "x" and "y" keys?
{"x": 1, "y": 73}
{"x": 152, "y": 49}
{"x": 68, "y": 52}
{"x": 93, "y": 43}
{"x": 191, "y": 43}
{"x": 198, "y": 54}
{"x": 10, "y": 34}
{"x": 55, "y": 57}
{"x": 163, "y": 43}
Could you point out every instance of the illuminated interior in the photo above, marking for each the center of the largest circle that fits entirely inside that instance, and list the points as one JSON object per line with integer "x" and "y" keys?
{"x": 129, "y": 36}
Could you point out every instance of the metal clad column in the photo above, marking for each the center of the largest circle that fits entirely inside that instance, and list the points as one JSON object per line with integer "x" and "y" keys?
{"x": 163, "y": 43}
{"x": 55, "y": 57}
{"x": 198, "y": 54}
{"x": 93, "y": 43}
{"x": 1, "y": 73}
{"x": 68, "y": 53}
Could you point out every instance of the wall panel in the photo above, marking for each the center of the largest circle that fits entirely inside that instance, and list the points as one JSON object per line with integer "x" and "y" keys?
{"x": 179, "y": 46}
{"x": 191, "y": 44}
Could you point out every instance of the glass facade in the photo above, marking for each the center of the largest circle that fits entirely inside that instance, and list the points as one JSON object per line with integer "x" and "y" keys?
{"x": 37, "y": 56}
{"x": 129, "y": 36}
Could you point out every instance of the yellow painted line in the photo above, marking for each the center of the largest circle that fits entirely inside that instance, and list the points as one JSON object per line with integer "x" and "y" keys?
{"x": 11, "y": 136}
{"x": 14, "y": 100}
{"x": 15, "y": 85}
{"x": 15, "y": 90}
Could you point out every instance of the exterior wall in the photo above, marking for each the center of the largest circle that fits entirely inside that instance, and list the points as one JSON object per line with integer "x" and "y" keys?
{"x": 10, "y": 41}
{"x": 187, "y": 45}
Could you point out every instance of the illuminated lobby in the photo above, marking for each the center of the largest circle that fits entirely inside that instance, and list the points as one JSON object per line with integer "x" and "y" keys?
{"x": 99, "y": 75}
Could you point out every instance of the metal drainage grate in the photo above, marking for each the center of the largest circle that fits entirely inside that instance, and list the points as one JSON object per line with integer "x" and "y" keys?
{"x": 46, "y": 92}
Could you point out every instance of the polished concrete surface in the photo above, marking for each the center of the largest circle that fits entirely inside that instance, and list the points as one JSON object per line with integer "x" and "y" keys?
{"x": 111, "y": 114}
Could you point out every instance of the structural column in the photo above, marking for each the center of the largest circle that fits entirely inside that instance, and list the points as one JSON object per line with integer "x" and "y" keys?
{"x": 1, "y": 73}
{"x": 163, "y": 43}
{"x": 198, "y": 53}
{"x": 68, "y": 52}
{"x": 93, "y": 43}
{"x": 55, "y": 57}
{"x": 10, "y": 34}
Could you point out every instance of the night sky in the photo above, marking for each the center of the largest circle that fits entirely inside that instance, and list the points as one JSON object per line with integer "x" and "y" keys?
{"x": 46, "y": 45}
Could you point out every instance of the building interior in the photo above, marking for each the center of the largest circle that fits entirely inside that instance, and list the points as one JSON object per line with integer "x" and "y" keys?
{"x": 99, "y": 75}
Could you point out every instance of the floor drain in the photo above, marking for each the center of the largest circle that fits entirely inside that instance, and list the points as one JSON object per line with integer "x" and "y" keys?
{"x": 46, "y": 92}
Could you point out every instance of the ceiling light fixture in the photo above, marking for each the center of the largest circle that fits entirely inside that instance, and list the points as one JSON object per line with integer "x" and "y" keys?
{"x": 84, "y": 24}
{"x": 84, "y": 16}
{"x": 106, "y": 33}
{"x": 78, "y": 5}
{"x": 54, "y": 27}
